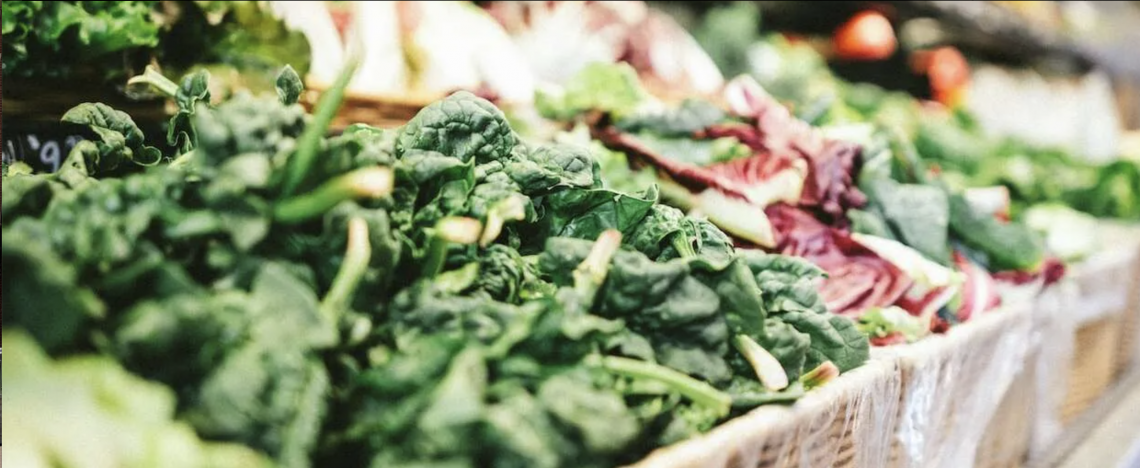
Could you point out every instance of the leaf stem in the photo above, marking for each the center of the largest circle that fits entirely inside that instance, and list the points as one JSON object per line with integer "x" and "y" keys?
{"x": 767, "y": 368}
{"x": 684, "y": 247}
{"x": 822, "y": 374}
{"x": 591, "y": 273}
{"x": 183, "y": 159}
{"x": 357, "y": 255}
{"x": 156, "y": 80}
{"x": 699, "y": 392}
{"x": 371, "y": 182}
{"x": 512, "y": 208}
{"x": 448, "y": 231}
{"x": 309, "y": 143}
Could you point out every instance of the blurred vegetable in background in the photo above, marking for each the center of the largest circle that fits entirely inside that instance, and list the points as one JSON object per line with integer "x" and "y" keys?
{"x": 107, "y": 42}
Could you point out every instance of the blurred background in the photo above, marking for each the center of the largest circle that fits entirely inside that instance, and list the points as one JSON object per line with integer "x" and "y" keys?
{"x": 995, "y": 93}
{"x": 1058, "y": 74}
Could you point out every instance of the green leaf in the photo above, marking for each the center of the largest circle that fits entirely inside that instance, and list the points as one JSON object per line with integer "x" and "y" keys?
{"x": 294, "y": 307}
{"x": 194, "y": 89}
{"x": 691, "y": 116}
{"x": 553, "y": 167}
{"x": 881, "y": 322}
{"x": 1006, "y": 246}
{"x": 599, "y": 417}
{"x": 462, "y": 126}
{"x": 787, "y": 344}
{"x": 833, "y": 338}
{"x": 458, "y": 399}
{"x": 918, "y": 215}
{"x": 119, "y": 138}
{"x": 612, "y": 88}
{"x": 652, "y": 234}
{"x": 41, "y": 391}
{"x": 869, "y": 222}
{"x": 289, "y": 85}
{"x": 42, "y": 294}
{"x": 692, "y": 151}
{"x": 728, "y": 32}
{"x": 740, "y": 297}
{"x": 585, "y": 214}
{"x": 787, "y": 283}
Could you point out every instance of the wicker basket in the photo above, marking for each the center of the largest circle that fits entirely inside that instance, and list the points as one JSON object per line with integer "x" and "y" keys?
{"x": 1104, "y": 284}
{"x": 841, "y": 425}
{"x": 1129, "y": 353}
{"x": 1093, "y": 368}
{"x": 952, "y": 386}
{"x": 1005, "y": 443}
{"x": 378, "y": 111}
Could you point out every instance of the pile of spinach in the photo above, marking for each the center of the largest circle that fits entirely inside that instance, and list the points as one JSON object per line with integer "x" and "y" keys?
{"x": 436, "y": 295}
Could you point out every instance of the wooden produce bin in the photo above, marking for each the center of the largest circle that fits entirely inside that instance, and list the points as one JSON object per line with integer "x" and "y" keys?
{"x": 842, "y": 424}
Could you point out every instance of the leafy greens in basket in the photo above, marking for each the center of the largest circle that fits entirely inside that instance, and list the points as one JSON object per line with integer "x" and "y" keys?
{"x": 852, "y": 198}
{"x": 437, "y": 295}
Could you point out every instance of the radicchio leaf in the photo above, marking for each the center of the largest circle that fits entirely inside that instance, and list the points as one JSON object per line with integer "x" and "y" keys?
{"x": 858, "y": 279}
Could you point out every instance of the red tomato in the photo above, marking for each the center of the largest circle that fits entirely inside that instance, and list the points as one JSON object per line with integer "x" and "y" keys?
{"x": 866, "y": 36}
{"x": 948, "y": 71}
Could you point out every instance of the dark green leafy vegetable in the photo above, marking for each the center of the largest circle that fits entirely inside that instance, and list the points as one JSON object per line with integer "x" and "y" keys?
{"x": 1005, "y": 246}
{"x": 94, "y": 394}
{"x": 917, "y": 215}
{"x": 48, "y": 38}
{"x": 119, "y": 138}
{"x": 289, "y": 85}
{"x": 832, "y": 338}
{"x": 690, "y": 117}
{"x": 462, "y": 126}
{"x": 439, "y": 295}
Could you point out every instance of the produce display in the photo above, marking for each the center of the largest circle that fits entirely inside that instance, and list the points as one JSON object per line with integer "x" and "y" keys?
{"x": 402, "y": 296}
{"x": 947, "y": 138}
{"x": 599, "y": 238}
{"x": 853, "y": 198}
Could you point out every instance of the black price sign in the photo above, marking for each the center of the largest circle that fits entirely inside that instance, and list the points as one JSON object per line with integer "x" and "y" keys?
{"x": 44, "y": 150}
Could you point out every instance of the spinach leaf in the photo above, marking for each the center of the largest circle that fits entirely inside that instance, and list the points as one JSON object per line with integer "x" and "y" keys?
{"x": 462, "y": 126}
{"x": 612, "y": 88}
{"x": 918, "y": 215}
{"x": 787, "y": 344}
{"x": 660, "y": 227}
{"x": 553, "y": 167}
{"x": 289, "y": 85}
{"x": 585, "y": 214}
{"x": 833, "y": 338}
{"x": 787, "y": 283}
{"x": 1005, "y": 246}
{"x": 119, "y": 139}
{"x": 41, "y": 294}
